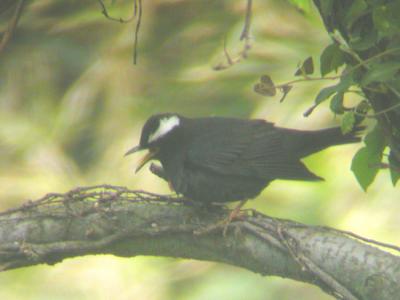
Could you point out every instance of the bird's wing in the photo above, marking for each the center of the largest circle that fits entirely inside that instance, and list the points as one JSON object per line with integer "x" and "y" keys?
{"x": 244, "y": 148}
{"x": 216, "y": 143}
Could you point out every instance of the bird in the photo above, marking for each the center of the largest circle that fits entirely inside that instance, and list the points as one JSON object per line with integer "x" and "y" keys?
{"x": 225, "y": 159}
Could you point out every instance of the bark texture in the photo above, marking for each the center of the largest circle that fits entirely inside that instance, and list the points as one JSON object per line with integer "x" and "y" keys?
{"x": 115, "y": 220}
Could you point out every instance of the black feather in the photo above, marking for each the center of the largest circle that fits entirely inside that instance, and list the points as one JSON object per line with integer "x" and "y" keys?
{"x": 227, "y": 159}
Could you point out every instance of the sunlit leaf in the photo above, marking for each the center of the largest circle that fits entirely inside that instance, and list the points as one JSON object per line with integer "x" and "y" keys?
{"x": 331, "y": 59}
{"x": 366, "y": 162}
{"x": 348, "y": 122}
{"x": 394, "y": 175}
{"x": 394, "y": 168}
{"x": 303, "y": 5}
{"x": 325, "y": 93}
{"x": 365, "y": 166}
{"x": 361, "y": 111}
{"x": 375, "y": 140}
{"x": 341, "y": 87}
{"x": 336, "y": 104}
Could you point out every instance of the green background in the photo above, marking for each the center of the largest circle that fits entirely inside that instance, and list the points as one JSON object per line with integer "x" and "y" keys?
{"x": 72, "y": 103}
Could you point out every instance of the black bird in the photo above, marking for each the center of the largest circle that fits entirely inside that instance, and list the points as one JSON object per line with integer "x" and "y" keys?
{"x": 215, "y": 159}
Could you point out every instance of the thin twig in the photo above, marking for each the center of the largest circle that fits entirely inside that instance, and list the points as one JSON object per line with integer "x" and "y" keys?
{"x": 228, "y": 58}
{"x": 245, "y": 35}
{"x": 137, "y": 12}
{"x": 307, "y": 79}
{"x": 247, "y": 22}
{"x": 346, "y": 72}
{"x": 138, "y": 23}
{"x": 120, "y": 20}
{"x": 352, "y": 69}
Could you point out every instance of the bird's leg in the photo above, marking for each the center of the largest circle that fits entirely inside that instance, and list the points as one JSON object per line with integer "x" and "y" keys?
{"x": 233, "y": 215}
{"x": 235, "y": 212}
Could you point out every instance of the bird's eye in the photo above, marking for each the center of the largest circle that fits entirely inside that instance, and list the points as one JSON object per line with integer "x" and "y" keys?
{"x": 165, "y": 126}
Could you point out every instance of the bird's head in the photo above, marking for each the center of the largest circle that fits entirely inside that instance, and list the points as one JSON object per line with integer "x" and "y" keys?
{"x": 157, "y": 130}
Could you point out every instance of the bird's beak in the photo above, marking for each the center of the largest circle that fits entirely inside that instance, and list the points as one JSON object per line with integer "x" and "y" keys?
{"x": 133, "y": 150}
{"x": 149, "y": 156}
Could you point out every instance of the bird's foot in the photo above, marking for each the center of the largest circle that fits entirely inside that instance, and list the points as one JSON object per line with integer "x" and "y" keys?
{"x": 236, "y": 213}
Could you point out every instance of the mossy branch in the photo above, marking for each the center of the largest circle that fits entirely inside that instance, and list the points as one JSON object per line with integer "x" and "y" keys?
{"x": 115, "y": 220}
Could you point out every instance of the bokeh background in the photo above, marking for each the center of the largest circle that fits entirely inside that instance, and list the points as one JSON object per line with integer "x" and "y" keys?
{"x": 72, "y": 103}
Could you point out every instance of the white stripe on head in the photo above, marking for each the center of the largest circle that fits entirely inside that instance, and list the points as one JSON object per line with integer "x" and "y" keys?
{"x": 166, "y": 125}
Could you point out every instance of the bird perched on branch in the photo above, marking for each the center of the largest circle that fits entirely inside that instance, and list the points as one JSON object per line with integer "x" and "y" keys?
{"x": 215, "y": 159}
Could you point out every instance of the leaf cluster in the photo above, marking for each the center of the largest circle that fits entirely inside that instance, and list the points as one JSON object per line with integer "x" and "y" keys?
{"x": 364, "y": 57}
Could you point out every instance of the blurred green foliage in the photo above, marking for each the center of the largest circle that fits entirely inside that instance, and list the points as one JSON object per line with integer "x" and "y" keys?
{"x": 72, "y": 103}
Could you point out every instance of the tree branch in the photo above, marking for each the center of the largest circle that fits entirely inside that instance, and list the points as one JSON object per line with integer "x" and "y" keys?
{"x": 115, "y": 220}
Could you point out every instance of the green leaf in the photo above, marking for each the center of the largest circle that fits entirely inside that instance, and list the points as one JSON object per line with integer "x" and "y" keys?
{"x": 365, "y": 166}
{"x": 331, "y": 59}
{"x": 342, "y": 86}
{"x": 356, "y": 10}
{"x": 381, "y": 72}
{"x": 307, "y": 67}
{"x": 386, "y": 19}
{"x": 394, "y": 44}
{"x": 361, "y": 111}
{"x": 303, "y": 5}
{"x": 325, "y": 93}
{"x": 336, "y": 104}
{"x": 345, "y": 81}
{"x": 394, "y": 175}
{"x": 348, "y": 122}
{"x": 326, "y": 7}
{"x": 366, "y": 162}
{"x": 362, "y": 37}
{"x": 394, "y": 168}
{"x": 375, "y": 140}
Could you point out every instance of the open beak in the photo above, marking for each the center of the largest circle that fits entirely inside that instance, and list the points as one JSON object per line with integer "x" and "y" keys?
{"x": 133, "y": 150}
{"x": 149, "y": 156}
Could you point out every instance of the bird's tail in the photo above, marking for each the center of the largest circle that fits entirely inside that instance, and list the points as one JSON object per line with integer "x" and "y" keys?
{"x": 304, "y": 143}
